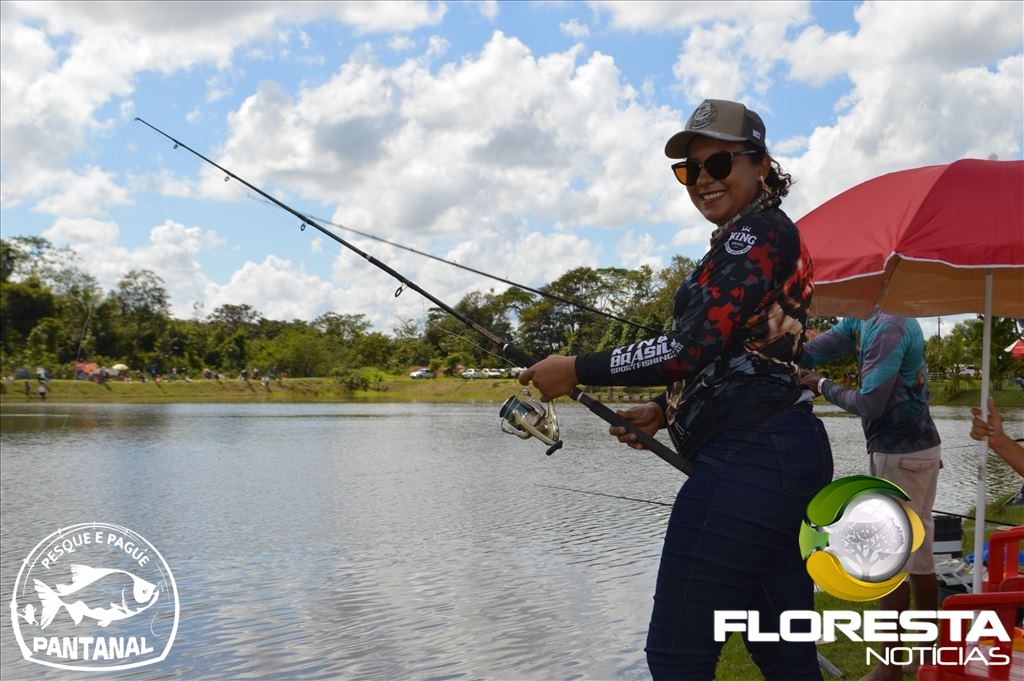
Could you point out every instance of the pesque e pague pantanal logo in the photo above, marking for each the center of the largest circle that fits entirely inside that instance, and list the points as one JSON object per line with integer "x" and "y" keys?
{"x": 94, "y": 597}
{"x": 858, "y": 536}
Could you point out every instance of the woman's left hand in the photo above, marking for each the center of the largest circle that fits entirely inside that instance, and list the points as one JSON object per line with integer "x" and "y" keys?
{"x": 553, "y": 376}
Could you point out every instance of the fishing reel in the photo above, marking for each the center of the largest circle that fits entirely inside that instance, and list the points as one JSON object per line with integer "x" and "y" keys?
{"x": 525, "y": 417}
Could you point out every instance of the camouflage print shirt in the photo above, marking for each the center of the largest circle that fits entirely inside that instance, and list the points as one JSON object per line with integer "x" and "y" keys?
{"x": 892, "y": 401}
{"x": 737, "y": 334}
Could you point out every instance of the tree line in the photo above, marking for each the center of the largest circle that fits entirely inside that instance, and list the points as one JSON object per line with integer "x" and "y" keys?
{"x": 53, "y": 313}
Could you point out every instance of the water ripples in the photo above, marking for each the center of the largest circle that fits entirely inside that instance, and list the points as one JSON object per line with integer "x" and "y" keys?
{"x": 371, "y": 541}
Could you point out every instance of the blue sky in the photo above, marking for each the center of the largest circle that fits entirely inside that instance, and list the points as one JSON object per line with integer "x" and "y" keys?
{"x": 520, "y": 138}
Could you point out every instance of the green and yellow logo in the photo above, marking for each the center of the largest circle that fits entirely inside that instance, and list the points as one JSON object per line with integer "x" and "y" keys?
{"x": 858, "y": 535}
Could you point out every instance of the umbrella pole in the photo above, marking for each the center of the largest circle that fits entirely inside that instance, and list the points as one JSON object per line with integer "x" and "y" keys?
{"x": 986, "y": 366}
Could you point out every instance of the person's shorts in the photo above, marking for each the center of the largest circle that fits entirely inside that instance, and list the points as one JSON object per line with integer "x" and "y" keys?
{"x": 917, "y": 474}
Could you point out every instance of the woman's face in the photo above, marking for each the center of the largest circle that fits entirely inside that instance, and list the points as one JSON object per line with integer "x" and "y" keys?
{"x": 719, "y": 200}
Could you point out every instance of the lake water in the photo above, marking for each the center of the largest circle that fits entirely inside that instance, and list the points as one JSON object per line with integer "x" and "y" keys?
{"x": 380, "y": 541}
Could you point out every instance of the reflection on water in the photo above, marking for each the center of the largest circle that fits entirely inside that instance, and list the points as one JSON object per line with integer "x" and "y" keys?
{"x": 375, "y": 541}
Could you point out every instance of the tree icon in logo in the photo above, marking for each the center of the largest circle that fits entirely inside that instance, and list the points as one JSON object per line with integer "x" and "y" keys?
{"x": 867, "y": 544}
{"x": 858, "y": 535}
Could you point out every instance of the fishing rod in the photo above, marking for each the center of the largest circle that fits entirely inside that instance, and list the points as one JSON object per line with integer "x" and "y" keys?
{"x": 552, "y": 296}
{"x": 523, "y": 417}
{"x": 663, "y": 503}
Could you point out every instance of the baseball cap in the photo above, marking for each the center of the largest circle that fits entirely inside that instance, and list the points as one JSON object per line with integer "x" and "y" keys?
{"x": 718, "y": 119}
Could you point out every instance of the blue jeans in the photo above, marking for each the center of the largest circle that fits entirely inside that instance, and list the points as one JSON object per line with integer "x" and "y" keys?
{"x": 732, "y": 544}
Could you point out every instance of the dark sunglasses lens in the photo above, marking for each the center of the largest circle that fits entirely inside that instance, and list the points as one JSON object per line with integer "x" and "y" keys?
{"x": 718, "y": 165}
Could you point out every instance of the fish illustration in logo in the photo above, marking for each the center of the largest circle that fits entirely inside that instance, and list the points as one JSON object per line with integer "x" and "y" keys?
{"x": 73, "y": 597}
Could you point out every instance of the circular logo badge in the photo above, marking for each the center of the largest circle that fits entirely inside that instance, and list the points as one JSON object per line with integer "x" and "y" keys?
{"x": 704, "y": 116}
{"x": 858, "y": 535}
{"x": 94, "y": 597}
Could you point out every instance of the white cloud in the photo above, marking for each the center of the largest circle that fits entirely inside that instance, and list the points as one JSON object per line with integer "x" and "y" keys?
{"x": 279, "y": 289}
{"x": 216, "y": 89}
{"x": 172, "y": 253}
{"x": 436, "y": 46}
{"x": 692, "y": 234}
{"x": 488, "y": 9}
{"x": 401, "y": 43}
{"x": 816, "y": 56}
{"x": 49, "y": 99}
{"x": 91, "y": 193}
{"x": 650, "y": 15}
{"x": 921, "y": 100}
{"x": 790, "y": 145}
{"x": 574, "y": 29}
{"x": 713, "y": 64}
{"x": 639, "y": 249}
{"x": 442, "y": 151}
{"x": 85, "y": 235}
{"x": 494, "y": 147}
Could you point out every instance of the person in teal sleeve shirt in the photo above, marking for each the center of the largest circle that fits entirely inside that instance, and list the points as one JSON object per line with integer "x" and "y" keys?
{"x": 902, "y": 441}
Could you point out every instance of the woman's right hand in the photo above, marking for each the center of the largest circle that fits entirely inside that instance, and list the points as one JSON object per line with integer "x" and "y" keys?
{"x": 648, "y": 417}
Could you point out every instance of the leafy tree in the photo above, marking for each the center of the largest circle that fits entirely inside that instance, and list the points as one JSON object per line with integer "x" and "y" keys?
{"x": 22, "y": 306}
{"x": 144, "y": 311}
{"x": 345, "y": 328}
{"x": 11, "y": 255}
{"x": 35, "y": 256}
{"x": 234, "y": 316}
{"x": 374, "y": 349}
{"x": 299, "y": 349}
{"x": 955, "y": 357}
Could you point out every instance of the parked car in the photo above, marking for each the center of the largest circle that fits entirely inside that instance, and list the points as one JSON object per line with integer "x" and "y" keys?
{"x": 473, "y": 373}
{"x": 494, "y": 373}
{"x": 515, "y": 371}
{"x": 422, "y": 373}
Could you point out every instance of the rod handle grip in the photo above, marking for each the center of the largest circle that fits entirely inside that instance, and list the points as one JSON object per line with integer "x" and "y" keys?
{"x": 602, "y": 410}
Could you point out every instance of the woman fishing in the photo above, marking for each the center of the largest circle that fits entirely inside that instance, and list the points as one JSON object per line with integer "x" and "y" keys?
{"x": 733, "y": 406}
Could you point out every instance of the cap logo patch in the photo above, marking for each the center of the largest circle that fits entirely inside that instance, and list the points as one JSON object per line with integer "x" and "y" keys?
{"x": 704, "y": 116}
{"x": 756, "y": 134}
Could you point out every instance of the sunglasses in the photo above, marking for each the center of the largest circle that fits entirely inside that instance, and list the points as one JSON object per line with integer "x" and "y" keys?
{"x": 718, "y": 165}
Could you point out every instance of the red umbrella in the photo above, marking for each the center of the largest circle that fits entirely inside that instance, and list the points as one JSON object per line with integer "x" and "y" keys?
{"x": 1016, "y": 349}
{"x": 929, "y": 241}
{"x": 918, "y": 242}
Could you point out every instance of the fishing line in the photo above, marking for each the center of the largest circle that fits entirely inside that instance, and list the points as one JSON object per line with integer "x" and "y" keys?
{"x": 610, "y": 496}
{"x": 375, "y": 274}
{"x": 601, "y": 410}
{"x": 552, "y": 296}
{"x": 420, "y": 313}
{"x": 662, "y": 503}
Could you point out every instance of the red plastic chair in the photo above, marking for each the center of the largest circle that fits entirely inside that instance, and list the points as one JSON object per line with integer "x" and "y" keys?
{"x": 1003, "y": 592}
{"x": 1005, "y": 605}
{"x": 1003, "y": 557}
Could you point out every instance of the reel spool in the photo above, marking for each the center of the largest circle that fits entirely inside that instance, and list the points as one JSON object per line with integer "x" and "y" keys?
{"x": 526, "y": 417}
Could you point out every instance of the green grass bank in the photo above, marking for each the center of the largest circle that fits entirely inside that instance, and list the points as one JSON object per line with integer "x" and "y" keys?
{"x": 385, "y": 388}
